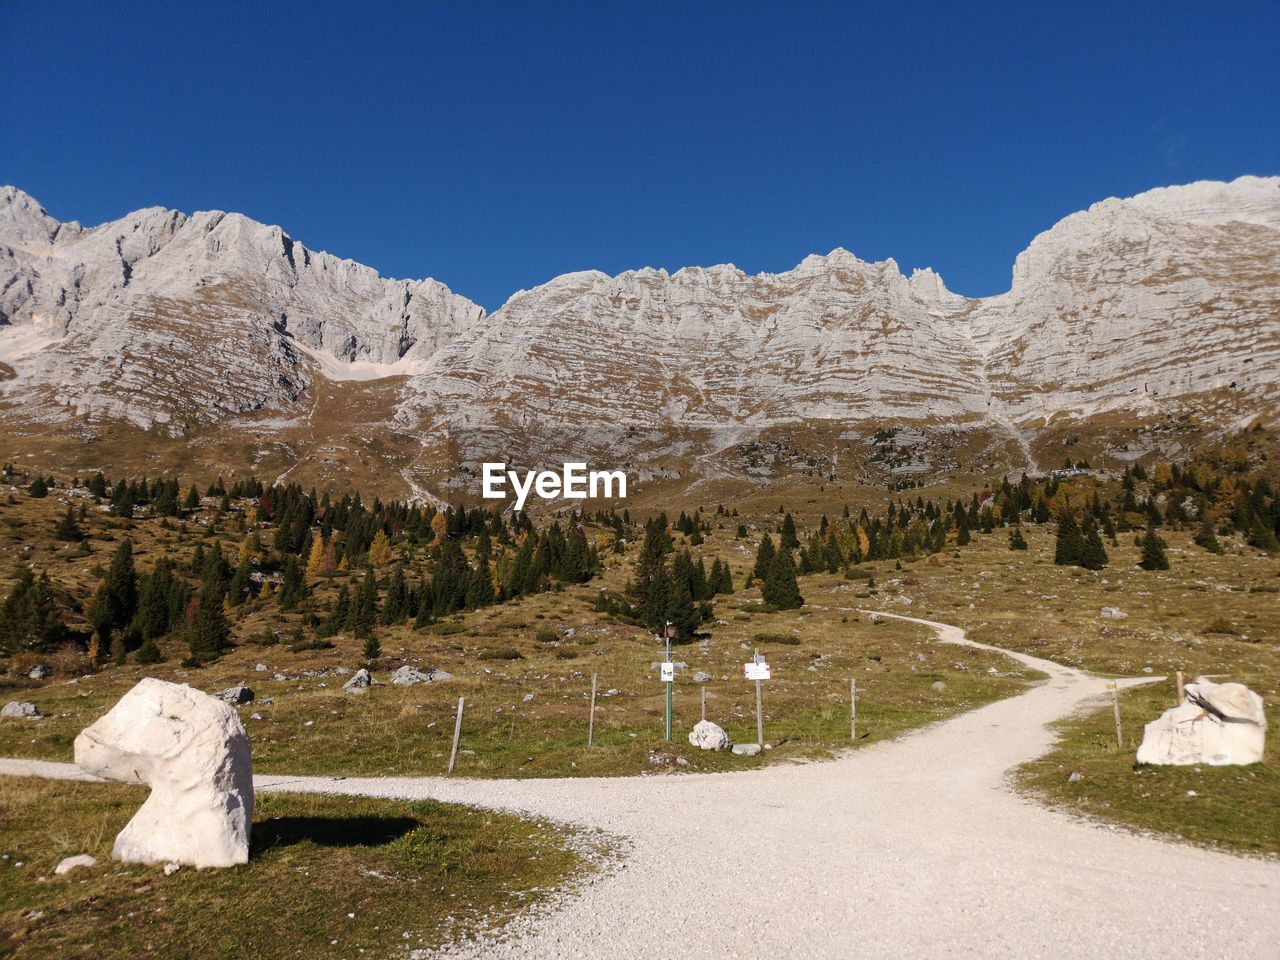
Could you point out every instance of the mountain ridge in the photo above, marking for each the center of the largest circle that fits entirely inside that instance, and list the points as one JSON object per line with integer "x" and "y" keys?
{"x": 1139, "y": 305}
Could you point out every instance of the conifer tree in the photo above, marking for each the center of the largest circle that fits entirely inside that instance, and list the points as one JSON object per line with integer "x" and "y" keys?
{"x": 69, "y": 527}
{"x": 317, "y": 560}
{"x": 764, "y": 560}
{"x": 1016, "y": 540}
{"x": 238, "y": 588}
{"x": 293, "y": 586}
{"x": 1153, "y": 555}
{"x": 364, "y": 606}
{"x": 1069, "y": 544}
{"x": 787, "y": 534}
{"x": 780, "y": 589}
{"x": 380, "y": 550}
{"x": 38, "y": 489}
{"x": 1093, "y": 556}
{"x": 209, "y": 633}
{"x": 395, "y": 606}
{"x": 1206, "y": 537}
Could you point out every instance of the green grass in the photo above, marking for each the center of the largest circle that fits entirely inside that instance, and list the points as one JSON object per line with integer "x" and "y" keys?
{"x": 1233, "y": 808}
{"x": 413, "y": 874}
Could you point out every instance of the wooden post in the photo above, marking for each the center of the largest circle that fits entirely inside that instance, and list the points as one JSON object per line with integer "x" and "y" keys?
{"x": 759, "y": 711}
{"x": 591, "y": 724}
{"x": 1182, "y": 690}
{"x": 457, "y": 735}
{"x": 704, "y": 703}
{"x": 1115, "y": 706}
{"x": 853, "y": 709}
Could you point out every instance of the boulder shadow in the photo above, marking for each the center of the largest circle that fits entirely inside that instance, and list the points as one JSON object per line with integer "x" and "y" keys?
{"x": 328, "y": 832}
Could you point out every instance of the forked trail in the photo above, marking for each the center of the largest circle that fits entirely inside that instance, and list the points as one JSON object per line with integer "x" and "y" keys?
{"x": 904, "y": 849}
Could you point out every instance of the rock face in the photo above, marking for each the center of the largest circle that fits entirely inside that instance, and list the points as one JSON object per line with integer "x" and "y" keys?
{"x": 1218, "y": 724}
{"x": 1134, "y": 305}
{"x": 191, "y": 749}
{"x": 706, "y": 735}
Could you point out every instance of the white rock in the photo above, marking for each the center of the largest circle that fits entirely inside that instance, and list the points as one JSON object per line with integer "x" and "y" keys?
{"x": 706, "y": 735}
{"x": 746, "y": 749}
{"x": 71, "y": 863}
{"x": 236, "y": 695}
{"x": 1113, "y": 613}
{"x": 1219, "y": 724}
{"x": 261, "y": 667}
{"x": 359, "y": 682}
{"x": 19, "y": 709}
{"x": 938, "y": 686}
{"x": 191, "y": 749}
{"x": 171, "y": 868}
{"x": 39, "y": 672}
{"x": 408, "y": 676}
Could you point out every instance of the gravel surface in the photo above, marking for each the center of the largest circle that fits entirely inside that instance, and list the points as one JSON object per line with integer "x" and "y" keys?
{"x": 914, "y": 848}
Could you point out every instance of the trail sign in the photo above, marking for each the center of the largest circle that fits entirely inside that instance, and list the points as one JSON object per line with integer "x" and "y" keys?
{"x": 757, "y": 671}
{"x": 668, "y": 672}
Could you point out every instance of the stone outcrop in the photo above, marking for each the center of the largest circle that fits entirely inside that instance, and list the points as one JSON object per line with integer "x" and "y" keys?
{"x": 1218, "y": 724}
{"x": 191, "y": 749}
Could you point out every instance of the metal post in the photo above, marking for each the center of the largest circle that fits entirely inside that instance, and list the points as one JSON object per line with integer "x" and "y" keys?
{"x": 759, "y": 711}
{"x": 591, "y": 724}
{"x": 704, "y": 703}
{"x": 669, "y": 685}
{"x": 853, "y": 709}
{"x": 1182, "y": 690}
{"x": 457, "y": 735}
{"x": 1115, "y": 706}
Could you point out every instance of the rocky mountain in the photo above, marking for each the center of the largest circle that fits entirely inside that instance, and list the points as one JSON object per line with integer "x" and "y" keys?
{"x": 214, "y": 324}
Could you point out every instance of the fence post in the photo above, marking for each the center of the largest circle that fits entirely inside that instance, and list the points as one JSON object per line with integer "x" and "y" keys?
{"x": 457, "y": 735}
{"x": 853, "y": 709}
{"x": 704, "y": 703}
{"x": 591, "y": 724}
{"x": 1115, "y": 706}
{"x": 1182, "y": 689}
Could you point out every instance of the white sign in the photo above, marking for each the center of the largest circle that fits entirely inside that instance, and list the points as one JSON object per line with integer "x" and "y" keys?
{"x": 668, "y": 672}
{"x": 757, "y": 671}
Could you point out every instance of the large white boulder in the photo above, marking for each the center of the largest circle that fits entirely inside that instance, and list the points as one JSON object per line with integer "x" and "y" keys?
{"x": 1218, "y": 724}
{"x": 708, "y": 736}
{"x": 191, "y": 749}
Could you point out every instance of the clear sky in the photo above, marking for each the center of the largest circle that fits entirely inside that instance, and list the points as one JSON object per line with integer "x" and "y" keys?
{"x": 494, "y": 146}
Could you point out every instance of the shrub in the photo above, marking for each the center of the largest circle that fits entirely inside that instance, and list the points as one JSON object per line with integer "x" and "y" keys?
{"x": 784, "y": 639}
{"x": 546, "y": 635}
{"x": 503, "y": 653}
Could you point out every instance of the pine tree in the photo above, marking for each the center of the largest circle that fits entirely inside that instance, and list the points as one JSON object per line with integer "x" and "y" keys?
{"x": 780, "y": 589}
{"x": 1153, "y": 555}
{"x": 38, "y": 489}
{"x": 1206, "y": 537}
{"x": 238, "y": 589}
{"x": 371, "y": 649}
{"x": 764, "y": 560}
{"x": 364, "y": 606}
{"x": 787, "y": 534}
{"x": 69, "y": 527}
{"x": 395, "y": 606}
{"x": 29, "y": 618}
{"x": 1016, "y": 540}
{"x": 193, "y": 499}
{"x": 1093, "y": 556}
{"x": 293, "y": 586}
{"x": 1069, "y": 545}
{"x": 210, "y": 633}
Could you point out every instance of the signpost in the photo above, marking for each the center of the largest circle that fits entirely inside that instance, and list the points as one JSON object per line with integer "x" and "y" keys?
{"x": 669, "y": 673}
{"x": 757, "y": 669}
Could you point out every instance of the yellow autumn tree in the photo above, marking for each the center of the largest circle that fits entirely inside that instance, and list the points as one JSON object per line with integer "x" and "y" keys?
{"x": 316, "y": 559}
{"x": 380, "y": 550}
{"x": 438, "y": 526}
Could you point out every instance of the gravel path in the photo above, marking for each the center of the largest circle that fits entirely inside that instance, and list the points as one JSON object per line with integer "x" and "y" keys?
{"x": 905, "y": 849}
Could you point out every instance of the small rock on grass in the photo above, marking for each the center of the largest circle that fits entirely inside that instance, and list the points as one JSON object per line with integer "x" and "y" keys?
{"x": 71, "y": 863}
{"x": 746, "y": 749}
{"x": 20, "y": 709}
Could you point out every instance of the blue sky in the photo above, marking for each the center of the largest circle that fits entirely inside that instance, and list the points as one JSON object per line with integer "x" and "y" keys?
{"x": 494, "y": 146}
